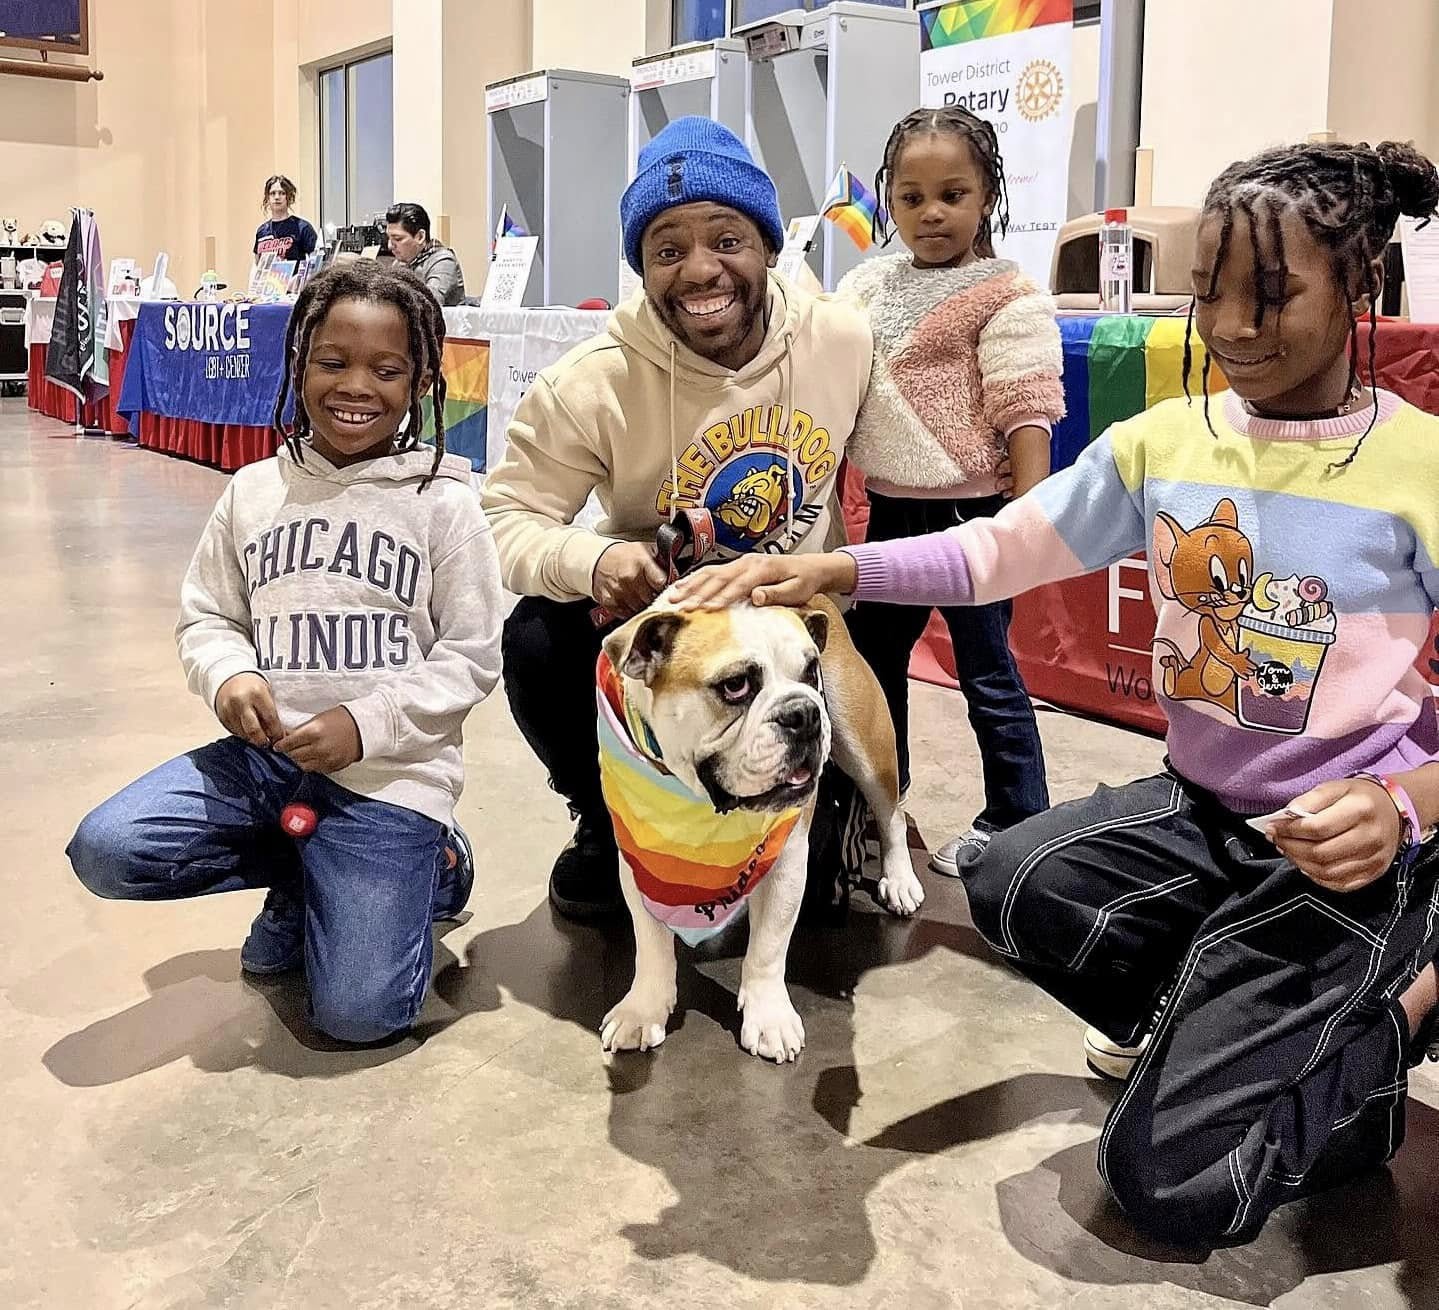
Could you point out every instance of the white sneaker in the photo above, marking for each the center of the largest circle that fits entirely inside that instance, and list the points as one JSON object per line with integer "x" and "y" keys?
{"x": 1109, "y": 1059}
{"x": 958, "y": 853}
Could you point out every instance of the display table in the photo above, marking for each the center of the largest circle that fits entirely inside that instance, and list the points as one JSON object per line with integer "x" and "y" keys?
{"x": 1085, "y": 644}
{"x": 209, "y": 397}
{"x": 53, "y": 401}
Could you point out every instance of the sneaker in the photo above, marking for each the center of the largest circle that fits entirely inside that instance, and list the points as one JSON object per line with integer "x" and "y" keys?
{"x": 1108, "y": 1058}
{"x": 276, "y": 943}
{"x": 457, "y": 879}
{"x": 585, "y": 882}
{"x": 960, "y": 853}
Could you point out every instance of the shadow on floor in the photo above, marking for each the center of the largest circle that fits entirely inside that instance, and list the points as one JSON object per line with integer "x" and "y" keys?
{"x": 766, "y": 1179}
{"x": 763, "y": 1186}
{"x": 196, "y": 1012}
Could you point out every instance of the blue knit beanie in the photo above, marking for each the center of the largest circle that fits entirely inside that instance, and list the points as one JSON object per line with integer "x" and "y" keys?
{"x": 697, "y": 159}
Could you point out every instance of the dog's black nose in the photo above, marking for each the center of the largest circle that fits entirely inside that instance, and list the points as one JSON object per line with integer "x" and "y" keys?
{"x": 799, "y": 716}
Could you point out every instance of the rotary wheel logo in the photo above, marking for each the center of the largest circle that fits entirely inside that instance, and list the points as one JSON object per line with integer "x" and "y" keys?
{"x": 1040, "y": 89}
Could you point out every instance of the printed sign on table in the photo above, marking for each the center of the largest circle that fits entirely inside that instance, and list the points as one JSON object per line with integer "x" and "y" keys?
{"x": 509, "y": 272}
{"x": 211, "y": 362}
{"x": 1008, "y": 61}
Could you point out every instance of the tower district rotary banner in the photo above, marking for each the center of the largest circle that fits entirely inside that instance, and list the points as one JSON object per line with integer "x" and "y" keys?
{"x": 1009, "y": 61}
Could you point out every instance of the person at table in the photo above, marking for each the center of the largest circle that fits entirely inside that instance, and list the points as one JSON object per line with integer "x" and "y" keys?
{"x": 407, "y": 228}
{"x": 1252, "y": 932}
{"x": 716, "y": 386}
{"x": 283, "y": 234}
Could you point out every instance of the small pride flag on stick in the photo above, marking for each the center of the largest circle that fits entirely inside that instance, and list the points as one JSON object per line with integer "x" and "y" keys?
{"x": 506, "y": 227}
{"x": 854, "y": 209}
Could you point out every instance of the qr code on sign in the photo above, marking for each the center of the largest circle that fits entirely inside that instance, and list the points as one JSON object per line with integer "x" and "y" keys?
{"x": 506, "y": 286}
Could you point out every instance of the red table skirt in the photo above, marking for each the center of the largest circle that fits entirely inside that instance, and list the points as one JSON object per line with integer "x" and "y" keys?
{"x": 226, "y": 446}
{"x": 53, "y": 401}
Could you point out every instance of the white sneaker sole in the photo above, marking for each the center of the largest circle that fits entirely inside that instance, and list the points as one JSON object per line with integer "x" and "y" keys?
{"x": 1111, "y": 1062}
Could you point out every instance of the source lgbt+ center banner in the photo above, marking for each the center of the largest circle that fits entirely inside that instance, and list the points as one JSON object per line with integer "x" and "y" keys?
{"x": 1009, "y": 61}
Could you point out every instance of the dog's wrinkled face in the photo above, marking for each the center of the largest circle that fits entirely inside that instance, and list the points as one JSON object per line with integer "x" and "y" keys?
{"x": 733, "y": 699}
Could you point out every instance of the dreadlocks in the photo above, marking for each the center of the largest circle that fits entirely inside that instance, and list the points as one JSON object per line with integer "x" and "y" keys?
{"x": 953, "y": 120}
{"x": 1349, "y": 197}
{"x": 386, "y": 283}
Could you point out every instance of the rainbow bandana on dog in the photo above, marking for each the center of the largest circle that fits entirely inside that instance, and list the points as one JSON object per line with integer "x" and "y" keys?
{"x": 693, "y": 866}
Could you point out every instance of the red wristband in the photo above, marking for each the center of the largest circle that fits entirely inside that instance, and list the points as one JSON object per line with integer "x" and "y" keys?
{"x": 1408, "y": 815}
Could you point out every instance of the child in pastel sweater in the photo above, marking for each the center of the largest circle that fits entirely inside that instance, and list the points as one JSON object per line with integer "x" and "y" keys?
{"x": 341, "y": 616}
{"x": 1254, "y": 930}
{"x": 965, "y": 375}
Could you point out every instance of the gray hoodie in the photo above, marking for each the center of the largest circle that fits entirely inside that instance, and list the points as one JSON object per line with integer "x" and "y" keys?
{"x": 342, "y": 586}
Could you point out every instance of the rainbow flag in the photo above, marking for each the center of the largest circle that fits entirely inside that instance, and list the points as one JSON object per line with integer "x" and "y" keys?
{"x": 1116, "y": 366}
{"x": 466, "y": 366}
{"x": 973, "y": 20}
{"x": 854, "y": 208}
{"x": 507, "y": 227}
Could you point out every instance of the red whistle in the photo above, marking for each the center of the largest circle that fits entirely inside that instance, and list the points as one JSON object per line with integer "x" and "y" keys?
{"x": 298, "y": 820}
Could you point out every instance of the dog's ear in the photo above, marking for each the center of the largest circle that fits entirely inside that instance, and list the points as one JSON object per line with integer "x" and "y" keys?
{"x": 817, "y": 621}
{"x": 640, "y": 648}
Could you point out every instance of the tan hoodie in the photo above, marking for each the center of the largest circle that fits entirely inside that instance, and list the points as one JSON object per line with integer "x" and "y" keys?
{"x": 633, "y": 414}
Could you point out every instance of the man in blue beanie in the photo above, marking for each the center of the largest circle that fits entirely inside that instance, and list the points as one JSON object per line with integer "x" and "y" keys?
{"x": 718, "y": 387}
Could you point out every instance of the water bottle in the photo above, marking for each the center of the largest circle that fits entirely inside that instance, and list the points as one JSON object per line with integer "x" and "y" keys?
{"x": 1116, "y": 263}
{"x": 210, "y": 285}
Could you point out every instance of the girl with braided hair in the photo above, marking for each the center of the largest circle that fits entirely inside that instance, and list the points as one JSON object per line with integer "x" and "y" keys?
{"x": 1253, "y": 932}
{"x": 341, "y": 616}
{"x": 965, "y": 377}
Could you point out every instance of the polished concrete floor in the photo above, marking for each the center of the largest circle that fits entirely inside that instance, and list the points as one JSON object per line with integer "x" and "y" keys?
{"x": 173, "y": 1136}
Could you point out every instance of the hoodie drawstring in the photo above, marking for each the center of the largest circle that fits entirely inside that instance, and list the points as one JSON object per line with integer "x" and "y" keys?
{"x": 674, "y": 443}
{"x": 788, "y": 401}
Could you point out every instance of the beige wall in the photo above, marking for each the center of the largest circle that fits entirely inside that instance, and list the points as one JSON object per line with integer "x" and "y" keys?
{"x": 1210, "y": 98}
{"x": 1383, "y": 86}
{"x": 173, "y": 146}
{"x": 327, "y": 28}
{"x": 594, "y": 38}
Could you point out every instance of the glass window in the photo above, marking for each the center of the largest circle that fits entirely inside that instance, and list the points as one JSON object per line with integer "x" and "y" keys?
{"x": 698, "y": 20}
{"x": 332, "y": 147}
{"x": 372, "y": 138}
{"x": 357, "y": 135}
{"x": 752, "y": 11}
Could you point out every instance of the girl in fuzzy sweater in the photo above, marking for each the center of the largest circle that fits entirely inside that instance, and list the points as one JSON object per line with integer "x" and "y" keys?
{"x": 966, "y": 377}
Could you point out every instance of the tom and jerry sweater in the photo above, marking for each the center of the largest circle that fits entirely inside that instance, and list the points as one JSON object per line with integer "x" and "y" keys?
{"x": 1293, "y": 597}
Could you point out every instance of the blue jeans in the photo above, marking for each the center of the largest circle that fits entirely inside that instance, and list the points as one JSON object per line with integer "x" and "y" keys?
{"x": 209, "y": 821}
{"x": 999, "y": 708}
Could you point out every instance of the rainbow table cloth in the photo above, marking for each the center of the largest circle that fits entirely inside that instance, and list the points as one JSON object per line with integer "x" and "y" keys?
{"x": 1116, "y": 367}
{"x": 694, "y": 867}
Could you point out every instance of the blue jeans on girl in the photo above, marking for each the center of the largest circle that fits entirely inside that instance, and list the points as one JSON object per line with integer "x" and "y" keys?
{"x": 999, "y": 709}
{"x": 371, "y": 874}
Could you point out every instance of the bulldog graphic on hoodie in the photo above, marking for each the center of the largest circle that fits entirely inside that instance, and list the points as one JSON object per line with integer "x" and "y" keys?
{"x": 650, "y": 427}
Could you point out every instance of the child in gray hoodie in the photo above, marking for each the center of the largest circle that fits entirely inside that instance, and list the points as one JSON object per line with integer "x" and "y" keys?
{"x": 342, "y": 616}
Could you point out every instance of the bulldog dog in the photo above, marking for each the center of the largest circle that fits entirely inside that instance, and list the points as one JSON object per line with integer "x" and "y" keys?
{"x": 714, "y": 728}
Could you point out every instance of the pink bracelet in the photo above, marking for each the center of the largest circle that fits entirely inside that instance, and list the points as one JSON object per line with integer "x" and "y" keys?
{"x": 1408, "y": 815}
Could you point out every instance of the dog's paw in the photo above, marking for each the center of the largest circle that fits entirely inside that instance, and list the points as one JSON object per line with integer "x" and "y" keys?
{"x": 902, "y": 893}
{"x": 771, "y": 1027}
{"x": 637, "y": 1023}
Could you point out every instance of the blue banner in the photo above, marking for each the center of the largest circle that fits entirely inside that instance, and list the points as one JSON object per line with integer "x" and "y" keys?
{"x": 214, "y": 363}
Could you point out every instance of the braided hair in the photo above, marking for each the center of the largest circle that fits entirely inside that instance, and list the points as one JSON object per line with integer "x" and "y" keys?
{"x": 1348, "y": 197}
{"x": 952, "y": 120}
{"x": 385, "y": 283}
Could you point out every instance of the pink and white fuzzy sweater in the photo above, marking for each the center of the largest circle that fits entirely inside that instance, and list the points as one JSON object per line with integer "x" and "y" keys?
{"x": 962, "y": 357}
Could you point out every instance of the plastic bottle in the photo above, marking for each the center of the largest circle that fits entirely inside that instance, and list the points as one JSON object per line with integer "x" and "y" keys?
{"x": 1116, "y": 263}
{"x": 210, "y": 285}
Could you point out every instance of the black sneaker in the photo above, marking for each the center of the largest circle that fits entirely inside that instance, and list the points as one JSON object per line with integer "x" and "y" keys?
{"x": 585, "y": 882}
{"x": 276, "y": 943}
{"x": 457, "y": 879}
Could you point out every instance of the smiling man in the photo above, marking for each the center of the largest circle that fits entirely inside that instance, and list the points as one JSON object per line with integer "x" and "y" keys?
{"x": 719, "y": 386}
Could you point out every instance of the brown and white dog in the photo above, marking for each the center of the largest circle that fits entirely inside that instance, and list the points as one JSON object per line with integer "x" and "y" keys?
{"x": 739, "y": 710}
